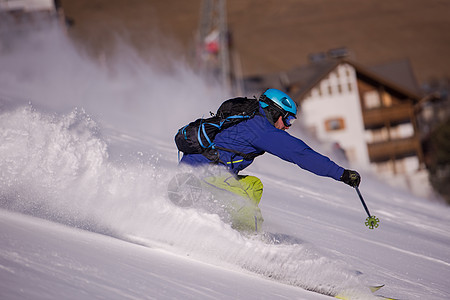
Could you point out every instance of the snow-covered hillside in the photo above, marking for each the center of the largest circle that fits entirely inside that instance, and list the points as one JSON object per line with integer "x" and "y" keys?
{"x": 84, "y": 212}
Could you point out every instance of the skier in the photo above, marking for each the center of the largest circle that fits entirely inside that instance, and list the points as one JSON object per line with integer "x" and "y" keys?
{"x": 265, "y": 132}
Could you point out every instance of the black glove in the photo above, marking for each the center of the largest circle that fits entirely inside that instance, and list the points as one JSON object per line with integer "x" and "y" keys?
{"x": 352, "y": 178}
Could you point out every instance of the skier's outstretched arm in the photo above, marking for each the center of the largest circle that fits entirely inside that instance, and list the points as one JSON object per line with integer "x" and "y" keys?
{"x": 294, "y": 150}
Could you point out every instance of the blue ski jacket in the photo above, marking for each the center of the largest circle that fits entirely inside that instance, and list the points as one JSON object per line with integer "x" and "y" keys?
{"x": 259, "y": 135}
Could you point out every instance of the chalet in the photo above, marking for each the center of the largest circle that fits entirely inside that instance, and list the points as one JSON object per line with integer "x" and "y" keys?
{"x": 31, "y": 10}
{"x": 369, "y": 112}
{"x": 19, "y": 16}
{"x": 29, "y": 5}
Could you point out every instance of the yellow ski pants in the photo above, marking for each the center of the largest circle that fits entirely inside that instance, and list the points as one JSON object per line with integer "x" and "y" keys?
{"x": 243, "y": 193}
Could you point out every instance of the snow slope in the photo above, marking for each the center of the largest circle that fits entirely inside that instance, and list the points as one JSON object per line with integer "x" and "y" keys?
{"x": 44, "y": 260}
{"x": 84, "y": 212}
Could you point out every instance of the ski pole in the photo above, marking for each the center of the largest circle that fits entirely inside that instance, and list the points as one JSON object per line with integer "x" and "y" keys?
{"x": 362, "y": 201}
{"x": 371, "y": 221}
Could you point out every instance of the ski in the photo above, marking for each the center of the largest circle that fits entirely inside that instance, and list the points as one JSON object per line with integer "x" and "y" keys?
{"x": 373, "y": 289}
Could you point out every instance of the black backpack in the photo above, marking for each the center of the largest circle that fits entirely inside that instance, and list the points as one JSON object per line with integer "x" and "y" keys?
{"x": 198, "y": 137}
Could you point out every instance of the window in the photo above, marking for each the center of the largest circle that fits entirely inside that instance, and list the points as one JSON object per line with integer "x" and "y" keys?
{"x": 372, "y": 99}
{"x": 334, "y": 124}
{"x": 347, "y": 72}
{"x": 387, "y": 99}
{"x": 379, "y": 135}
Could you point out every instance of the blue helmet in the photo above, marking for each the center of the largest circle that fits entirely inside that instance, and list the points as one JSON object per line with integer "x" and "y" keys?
{"x": 280, "y": 100}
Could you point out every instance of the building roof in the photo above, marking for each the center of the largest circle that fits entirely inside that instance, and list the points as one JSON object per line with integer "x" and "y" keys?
{"x": 396, "y": 77}
{"x": 400, "y": 72}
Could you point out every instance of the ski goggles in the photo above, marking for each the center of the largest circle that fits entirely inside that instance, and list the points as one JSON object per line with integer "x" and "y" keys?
{"x": 289, "y": 120}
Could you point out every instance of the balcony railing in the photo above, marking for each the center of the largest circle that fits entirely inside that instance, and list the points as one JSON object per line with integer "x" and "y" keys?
{"x": 381, "y": 116}
{"x": 382, "y": 151}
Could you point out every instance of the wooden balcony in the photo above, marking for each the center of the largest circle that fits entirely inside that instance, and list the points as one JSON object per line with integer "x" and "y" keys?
{"x": 378, "y": 117}
{"x": 382, "y": 151}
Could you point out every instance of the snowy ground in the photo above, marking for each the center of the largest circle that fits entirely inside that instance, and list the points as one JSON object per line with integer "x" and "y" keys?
{"x": 84, "y": 212}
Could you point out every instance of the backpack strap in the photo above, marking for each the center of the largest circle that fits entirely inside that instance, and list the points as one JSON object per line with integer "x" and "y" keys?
{"x": 211, "y": 151}
{"x": 202, "y": 129}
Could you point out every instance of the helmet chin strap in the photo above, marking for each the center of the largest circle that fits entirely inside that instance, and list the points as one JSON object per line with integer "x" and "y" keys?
{"x": 271, "y": 114}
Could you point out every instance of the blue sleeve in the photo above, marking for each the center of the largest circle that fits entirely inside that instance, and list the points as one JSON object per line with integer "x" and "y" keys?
{"x": 294, "y": 150}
